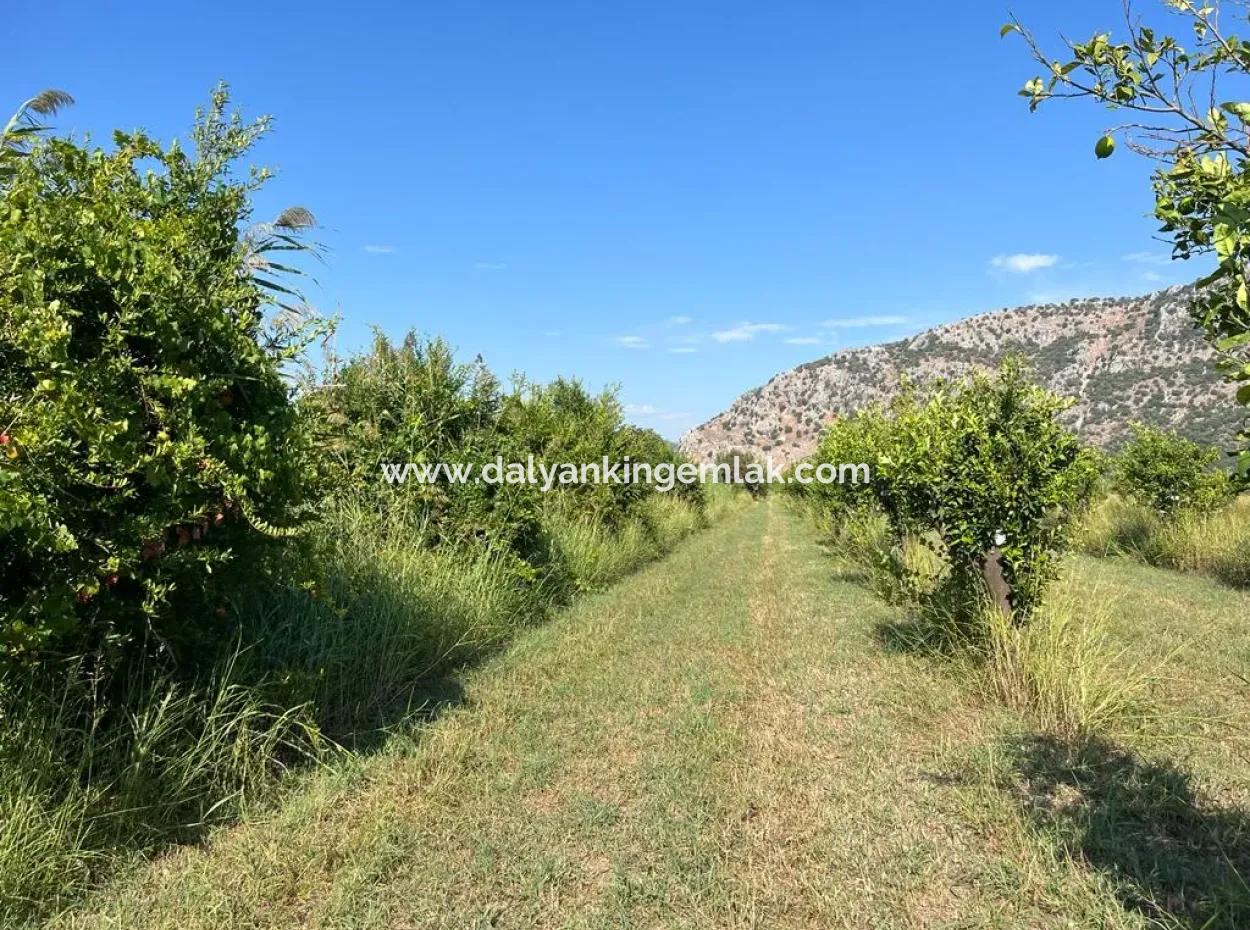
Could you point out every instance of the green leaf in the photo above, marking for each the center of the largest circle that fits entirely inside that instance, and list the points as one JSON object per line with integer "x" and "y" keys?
{"x": 1104, "y": 147}
{"x": 1007, "y": 29}
{"x": 1225, "y": 240}
{"x": 1228, "y": 343}
{"x": 1239, "y": 109}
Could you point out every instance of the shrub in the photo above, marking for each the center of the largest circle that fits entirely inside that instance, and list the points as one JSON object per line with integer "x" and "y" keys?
{"x": 859, "y": 438}
{"x": 562, "y": 422}
{"x": 1168, "y": 473}
{"x": 147, "y": 427}
{"x": 742, "y": 468}
{"x": 980, "y": 469}
{"x": 413, "y": 402}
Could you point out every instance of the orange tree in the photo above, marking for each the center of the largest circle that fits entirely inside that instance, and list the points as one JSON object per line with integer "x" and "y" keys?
{"x": 1169, "y": 473}
{"x": 1171, "y": 89}
{"x": 147, "y": 429}
{"x": 979, "y": 469}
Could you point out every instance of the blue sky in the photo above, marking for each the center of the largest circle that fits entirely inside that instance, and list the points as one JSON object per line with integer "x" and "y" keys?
{"x": 680, "y": 197}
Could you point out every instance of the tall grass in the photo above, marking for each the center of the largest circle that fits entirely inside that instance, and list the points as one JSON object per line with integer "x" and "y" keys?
{"x": 92, "y": 773}
{"x": 720, "y": 500}
{"x": 1214, "y": 544}
{"x": 1060, "y": 671}
{"x": 1056, "y": 668}
{"x": 390, "y": 617}
{"x": 84, "y": 779}
{"x": 593, "y": 553}
{"x": 669, "y": 519}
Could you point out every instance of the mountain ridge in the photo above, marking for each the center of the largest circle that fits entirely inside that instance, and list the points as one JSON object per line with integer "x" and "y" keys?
{"x": 1122, "y": 358}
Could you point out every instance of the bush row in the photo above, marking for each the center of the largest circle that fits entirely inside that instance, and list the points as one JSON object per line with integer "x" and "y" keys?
{"x": 158, "y": 454}
{"x": 204, "y": 577}
{"x": 977, "y": 491}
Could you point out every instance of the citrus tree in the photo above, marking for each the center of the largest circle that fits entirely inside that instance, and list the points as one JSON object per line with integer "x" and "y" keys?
{"x": 147, "y": 427}
{"x": 1169, "y": 473}
{"x": 979, "y": 468}
{"x": 1178, "y": 91}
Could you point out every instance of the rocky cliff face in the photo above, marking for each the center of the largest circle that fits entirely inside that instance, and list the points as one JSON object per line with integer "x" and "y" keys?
{"x": 1123, "y": 359}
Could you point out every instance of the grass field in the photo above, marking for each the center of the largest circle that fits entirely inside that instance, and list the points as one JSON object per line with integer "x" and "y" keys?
{"x": 733, "y": 738}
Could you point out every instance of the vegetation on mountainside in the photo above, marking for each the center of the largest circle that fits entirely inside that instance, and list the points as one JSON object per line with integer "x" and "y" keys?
{"x": 1122, "y": 359}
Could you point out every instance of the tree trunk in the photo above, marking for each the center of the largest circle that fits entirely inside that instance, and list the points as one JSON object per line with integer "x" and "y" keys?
{"x": 995, "y": 580}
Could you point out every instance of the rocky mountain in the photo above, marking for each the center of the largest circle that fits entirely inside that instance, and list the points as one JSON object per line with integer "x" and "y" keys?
{"x": 1124, "y": 359}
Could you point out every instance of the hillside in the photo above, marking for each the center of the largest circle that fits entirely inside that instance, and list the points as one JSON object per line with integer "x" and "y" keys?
{"x": 1124, "y": 359}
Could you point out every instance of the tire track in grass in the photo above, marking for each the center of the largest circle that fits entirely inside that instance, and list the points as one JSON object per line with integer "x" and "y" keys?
{"x": 847, "y": 806}
{"x": 812, "y": 727}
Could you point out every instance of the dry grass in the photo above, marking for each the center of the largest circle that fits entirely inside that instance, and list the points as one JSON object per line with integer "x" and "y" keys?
{"x": 1061, "y": 671}
{"x": 1216, "y": 544}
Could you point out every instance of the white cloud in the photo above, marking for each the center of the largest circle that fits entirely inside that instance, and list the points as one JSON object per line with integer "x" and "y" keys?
{"x": 1148, "y": 258}
{"x": 632, "y": 342}
{"x": 489, "y": 266}
{"x": 552, "y": 333}
{"x": 1024, "y": 262}
{"x": 379, "y": 249}
{"x": 649, "y": 411}
{"x": 683, "y": 350}
{"x": 1152, "y": 276}
{"x": 803, "y": 340}
{"x": 745, "y": 332}
{"x": 861, "y": 322}
{"x": 678, "y": 320}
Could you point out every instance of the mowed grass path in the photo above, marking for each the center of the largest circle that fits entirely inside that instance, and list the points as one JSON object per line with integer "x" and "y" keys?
{"x": 722, "y": 740}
